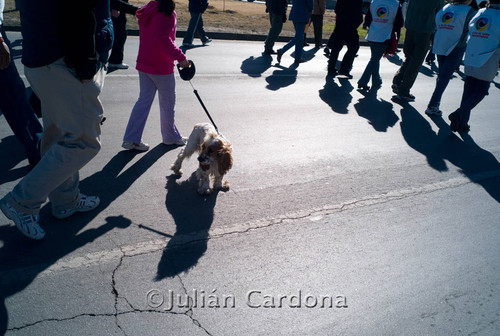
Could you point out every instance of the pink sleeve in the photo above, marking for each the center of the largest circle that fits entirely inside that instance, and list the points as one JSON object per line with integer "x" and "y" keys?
{"x": 166, "y": 38}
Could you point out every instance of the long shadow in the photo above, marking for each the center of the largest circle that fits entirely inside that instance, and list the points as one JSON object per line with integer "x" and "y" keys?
{"x": 65, "y": 236}
{"x": 479, "y": 165}
{"x": 337, "y": 97}
{"x": 379, "y": 113}
{"x": 282, "y": 77}
{"x": 256, "y": 66}
{"x": 11, "y": 154}
{"x": 193, "y": 215}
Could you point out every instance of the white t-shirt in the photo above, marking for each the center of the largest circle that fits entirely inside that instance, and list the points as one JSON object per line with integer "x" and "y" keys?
{"x": 383, "y": 15}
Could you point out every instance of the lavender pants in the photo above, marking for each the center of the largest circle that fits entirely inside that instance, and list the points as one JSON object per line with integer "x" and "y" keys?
{"x": 149, "y": 84}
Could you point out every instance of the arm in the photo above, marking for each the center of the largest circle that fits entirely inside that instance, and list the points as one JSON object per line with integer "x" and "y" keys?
{"x": 165, "y": 29}
{"x": 4, "y": 54}
{"x": 77, "y": 28}
{"x": 123, "y": 6}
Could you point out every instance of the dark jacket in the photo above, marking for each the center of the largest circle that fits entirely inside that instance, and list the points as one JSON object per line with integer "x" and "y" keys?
{"x": 349, "y": 13}
{"x": 278, "y": 7}
{"x": 198, "y": 6}
{"x": 53, "y": 29}
{"x": 301, "y": 10}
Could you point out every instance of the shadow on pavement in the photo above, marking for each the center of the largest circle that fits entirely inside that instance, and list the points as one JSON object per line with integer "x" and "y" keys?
{"x": 479, "y": 165}
{"x": 379, "y": 113}
{"x": 337, "y": 97}
{"x": 256, "y": 66}
{"x": 193, "y": 215}
{"x": 27, "y": 258}
{"x": 282, "y": 77}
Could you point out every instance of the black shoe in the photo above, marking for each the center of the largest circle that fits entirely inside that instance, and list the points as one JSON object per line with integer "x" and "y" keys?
{"x": 464, "y": 129}
{"x": 326, "y": 50}
{"x": 395, "y": 88}
{"x": 280, "y": 54}
{"x": 270, "y": 52}
{"x": 345, "y": 74}
{"x": 406, "y": 97}
{"x": 363, "y": 87}
{"x": 454, "y": 121}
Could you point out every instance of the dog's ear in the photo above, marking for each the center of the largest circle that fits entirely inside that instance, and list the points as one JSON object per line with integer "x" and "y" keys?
{"x": 225, "y": 159}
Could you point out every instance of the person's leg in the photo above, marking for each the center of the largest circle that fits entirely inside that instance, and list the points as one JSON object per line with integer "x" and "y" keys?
{"x": 18, "y": 112}
{"x": 120, "y": 31}
{"x": 140, "y": 112}
{"x": 337, "y": 44}
{"x": 274, "y": 31}
{"x": 474, "y": 92}
{"x": 166, "y": 97}
{"x": 372, "y": 68}
{"x": 299, "y": 39}
{"x": 70, "y": 138}
{"x": 447, "y": 66}
{"x": 414, "y": 62}
{"x": 317, "y": 21}
{"x": 200, "y": 30}
{"x": 193, "y": 24}
{"x": 352, "y": 42}
{"x": 408, "y": 48}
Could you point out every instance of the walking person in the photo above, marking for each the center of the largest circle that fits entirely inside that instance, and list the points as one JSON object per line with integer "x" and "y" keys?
{"x": 155, "y": 63}
{"x": 452, "y": 23}
{"x": 319, "y": 9}
{"x": 349, "y": 15}
{"x": 62, "y": 64}
{"x": 482, "y": 57}
{"x": 277, "y": 16}
{"x": 420, "y": 24}
{"x": 13, "y": 101}
{"x": 118, "y": 10}
{"x": 383, "y": 18}
{"x": 195, "y": 26}
{"x": 299, "y": 15}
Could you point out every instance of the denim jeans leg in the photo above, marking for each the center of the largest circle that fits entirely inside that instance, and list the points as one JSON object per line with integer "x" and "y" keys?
{"x": 17, "y": 110}
{"x": 193, "y": 24}
{"x": 373, "y": 67}
{"x": 447, "y": 65}
{"x": 299, "y": 39}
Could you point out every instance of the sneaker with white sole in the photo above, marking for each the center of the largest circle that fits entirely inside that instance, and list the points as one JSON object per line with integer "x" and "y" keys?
{"x": 86, "y": 203}
{"x": 26, "y": 223}
{"x": 434, "y": 111}
{"x": 141, "y": 146}
{"x": 181, "y": 142}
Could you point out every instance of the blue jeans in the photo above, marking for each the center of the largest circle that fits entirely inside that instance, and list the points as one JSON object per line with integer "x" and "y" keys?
{"x": 195, "y": 26}
{"x": 17, "y": 110}
{"x": 474, "y": 92}
{"x": 373, "y": 67}
{"x": 447, "y": 65}
{"x": 297, "y": 40}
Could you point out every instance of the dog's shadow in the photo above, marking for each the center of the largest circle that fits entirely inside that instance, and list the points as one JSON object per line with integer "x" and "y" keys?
{"x": 193, "y": 216}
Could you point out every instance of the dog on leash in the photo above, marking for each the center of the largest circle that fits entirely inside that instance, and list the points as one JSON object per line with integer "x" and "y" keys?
{"x": 215, "y": 157}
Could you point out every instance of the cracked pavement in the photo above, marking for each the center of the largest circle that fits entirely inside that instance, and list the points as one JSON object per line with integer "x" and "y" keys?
{"x": 347, "y": 215}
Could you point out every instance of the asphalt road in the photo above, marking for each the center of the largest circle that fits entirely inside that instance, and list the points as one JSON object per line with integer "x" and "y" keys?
{"x": 348, "y": 214}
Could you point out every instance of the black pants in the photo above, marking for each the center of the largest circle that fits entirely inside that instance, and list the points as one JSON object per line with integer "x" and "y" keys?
{"x": 340, "y": 37}
{"x": 317, "y": 21}
{"x": 120, "y": 31}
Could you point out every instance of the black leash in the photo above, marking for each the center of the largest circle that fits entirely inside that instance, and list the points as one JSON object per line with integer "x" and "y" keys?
{"x": 204, "y": 108}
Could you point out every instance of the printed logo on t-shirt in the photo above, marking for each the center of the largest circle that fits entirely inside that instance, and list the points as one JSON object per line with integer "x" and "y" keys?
{"x": 382, "y": 12}
{"x": 482, "y": 23}
{"x": 447, "y": 17}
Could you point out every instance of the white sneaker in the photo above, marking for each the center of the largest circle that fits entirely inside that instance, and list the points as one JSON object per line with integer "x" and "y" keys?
{"x": 27, "y": 224}
{"x": 433, "y": 111}
{"x": 181, "y": 142}
{"x": 86, "y": 203}
{"x": 137, "y": 146}
{"x": 122, "y": 66}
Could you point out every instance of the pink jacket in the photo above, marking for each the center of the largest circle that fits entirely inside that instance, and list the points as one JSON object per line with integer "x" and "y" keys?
{"x": 157, "y": 49}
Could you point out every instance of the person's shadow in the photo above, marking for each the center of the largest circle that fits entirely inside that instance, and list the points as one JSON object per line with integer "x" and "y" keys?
{"x": 256, "y": 66}
{"x": 379, "y": 113}
{"x": 193, "y": 215}
{"x": 477, "y": 164}
{"x": 337, "y": 97}
{"x": 65, "y": 236}
{"x": 282, "y": 77}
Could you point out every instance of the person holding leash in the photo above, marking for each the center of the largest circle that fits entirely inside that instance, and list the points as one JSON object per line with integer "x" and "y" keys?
{"x": 155, "y": 63}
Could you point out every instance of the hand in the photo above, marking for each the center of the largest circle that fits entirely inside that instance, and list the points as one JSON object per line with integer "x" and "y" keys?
{"x": 4, "y": 56}
{"x": 184, "y": 64}
{"x": 115, "y": 13}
